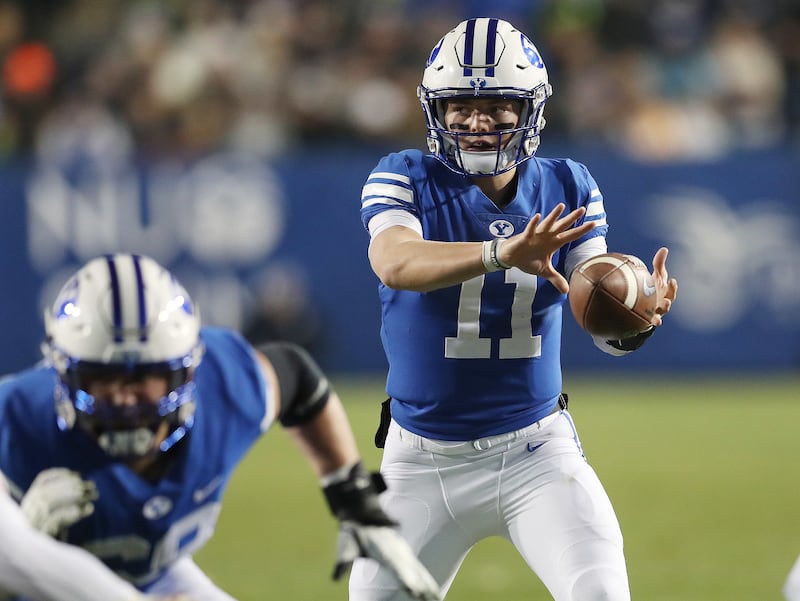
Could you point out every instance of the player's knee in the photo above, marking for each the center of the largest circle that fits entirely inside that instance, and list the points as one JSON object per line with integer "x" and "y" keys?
{"x": 601, "y": 585}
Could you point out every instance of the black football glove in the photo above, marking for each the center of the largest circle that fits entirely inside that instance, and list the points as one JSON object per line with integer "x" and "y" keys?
{"x": 366, "y": 531}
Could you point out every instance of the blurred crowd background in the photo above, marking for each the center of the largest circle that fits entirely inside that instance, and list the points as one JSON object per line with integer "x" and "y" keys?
{"x": 664, "y": 80}
{"x": 225, "y": 138}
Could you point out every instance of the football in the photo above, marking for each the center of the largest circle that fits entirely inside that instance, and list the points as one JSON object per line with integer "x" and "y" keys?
{"x": 613, "y": 295}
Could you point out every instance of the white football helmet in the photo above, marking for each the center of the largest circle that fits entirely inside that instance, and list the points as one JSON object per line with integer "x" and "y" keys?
{"x": 124, "y": 315}
{"x": 484, "y": 58}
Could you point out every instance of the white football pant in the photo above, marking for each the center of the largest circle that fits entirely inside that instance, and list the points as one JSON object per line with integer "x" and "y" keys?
{"x": 532, "y": 487}
{"x": 791, "y": 588}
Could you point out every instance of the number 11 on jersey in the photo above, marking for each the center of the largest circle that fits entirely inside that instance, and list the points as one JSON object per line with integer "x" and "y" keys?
{"x": 468, "y": 343}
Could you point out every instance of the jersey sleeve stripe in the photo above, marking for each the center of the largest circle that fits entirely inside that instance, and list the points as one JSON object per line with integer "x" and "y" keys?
{"x": 392, "y": 177}
{"x": 391, "y": 190}
{"x": 382, "y": 200}
{"x": 385, "y": 193}
{"x": 596, "y": 208}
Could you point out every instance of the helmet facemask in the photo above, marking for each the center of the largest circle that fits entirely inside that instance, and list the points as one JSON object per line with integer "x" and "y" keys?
{"x": 513, "y": 146}
{"x": 127, "y": 432}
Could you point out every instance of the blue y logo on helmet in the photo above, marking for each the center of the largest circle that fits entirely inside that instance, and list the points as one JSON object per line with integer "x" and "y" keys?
{"x": 65, "y": 306}
{"x": 180, "y": 298}
{"x": 530, "y": 51}
{"x": 434, "y": 53}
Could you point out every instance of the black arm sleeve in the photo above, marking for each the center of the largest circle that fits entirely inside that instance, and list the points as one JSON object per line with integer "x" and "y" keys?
{"x": 304, "y": 388}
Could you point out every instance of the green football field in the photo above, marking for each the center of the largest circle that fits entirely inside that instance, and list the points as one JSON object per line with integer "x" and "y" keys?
{"x": 703, "y": 474}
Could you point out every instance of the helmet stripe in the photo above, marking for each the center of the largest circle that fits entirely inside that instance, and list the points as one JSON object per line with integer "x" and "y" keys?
{"x": 140, "y": 297}
{"x": 480, "y": 48}
{"x": 491, "y": 42}
{"x": 469, "y": 42}
{"x": 116, "y": 300}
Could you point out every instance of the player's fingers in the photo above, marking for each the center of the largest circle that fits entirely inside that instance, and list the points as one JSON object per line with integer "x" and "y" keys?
{"x": 553, "y": 216}
{"x": 665, "y": 303}
{"x": 531, "y": 227}
{"x": 89, "y": 490}
{"x": 569, "y": 219}
{"x": 86, "y": 509}
{"x": 672, "y": 294}
{"x": 660, "y": 261}
{"x": 340, "y": 569}
{"x": 576, "y": 232}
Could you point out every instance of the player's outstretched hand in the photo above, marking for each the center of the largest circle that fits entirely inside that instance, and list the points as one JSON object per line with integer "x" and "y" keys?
{"x": 56, "y": 499}
{"x": 366, "y": 531}
{"x": 532, "y": 250}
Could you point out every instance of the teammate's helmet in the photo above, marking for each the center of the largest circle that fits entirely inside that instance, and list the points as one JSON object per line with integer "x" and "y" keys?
{"x": 484, "y": 58}
{"x": 124, "y": 315}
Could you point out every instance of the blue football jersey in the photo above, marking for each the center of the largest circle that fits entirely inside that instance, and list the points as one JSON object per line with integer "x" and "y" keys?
{"x": 483, "y": 357}
{"x": 138, "y": 528}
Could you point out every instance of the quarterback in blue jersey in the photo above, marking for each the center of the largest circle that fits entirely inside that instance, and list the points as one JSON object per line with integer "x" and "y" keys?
{"x": 123, "y": 440}
{"x": 474, "y": 243}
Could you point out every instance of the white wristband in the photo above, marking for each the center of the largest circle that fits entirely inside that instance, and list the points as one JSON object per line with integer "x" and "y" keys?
{"x": 489, "y": 255}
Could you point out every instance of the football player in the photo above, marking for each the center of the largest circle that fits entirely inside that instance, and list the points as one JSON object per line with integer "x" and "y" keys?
{"x": 123, "y": 440}
{"x": 474, "y": 243}
{"x": 40, "y": 568}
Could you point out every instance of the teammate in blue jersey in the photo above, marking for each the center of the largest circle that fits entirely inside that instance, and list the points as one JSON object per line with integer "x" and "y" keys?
{"x": 123, "y": 440}
{"x": 474, "y": 244}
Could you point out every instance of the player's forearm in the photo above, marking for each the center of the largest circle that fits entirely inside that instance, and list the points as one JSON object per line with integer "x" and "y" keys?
{"x": 327, "y": 440}
{"x": 38, "y": 567}
{"x": 425, "y": 265}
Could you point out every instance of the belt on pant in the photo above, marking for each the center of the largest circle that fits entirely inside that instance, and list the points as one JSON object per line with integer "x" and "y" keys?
{"x": 446, "y": 447}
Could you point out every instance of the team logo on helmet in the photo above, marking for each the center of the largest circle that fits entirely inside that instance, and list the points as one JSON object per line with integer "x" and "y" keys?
{"x": 434, "y": 53}
{"x": 65, "y": 304}
{"x": 478, "y": 83}
{"x": 181, "y": 299}
{"x": 530, "y": 51}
